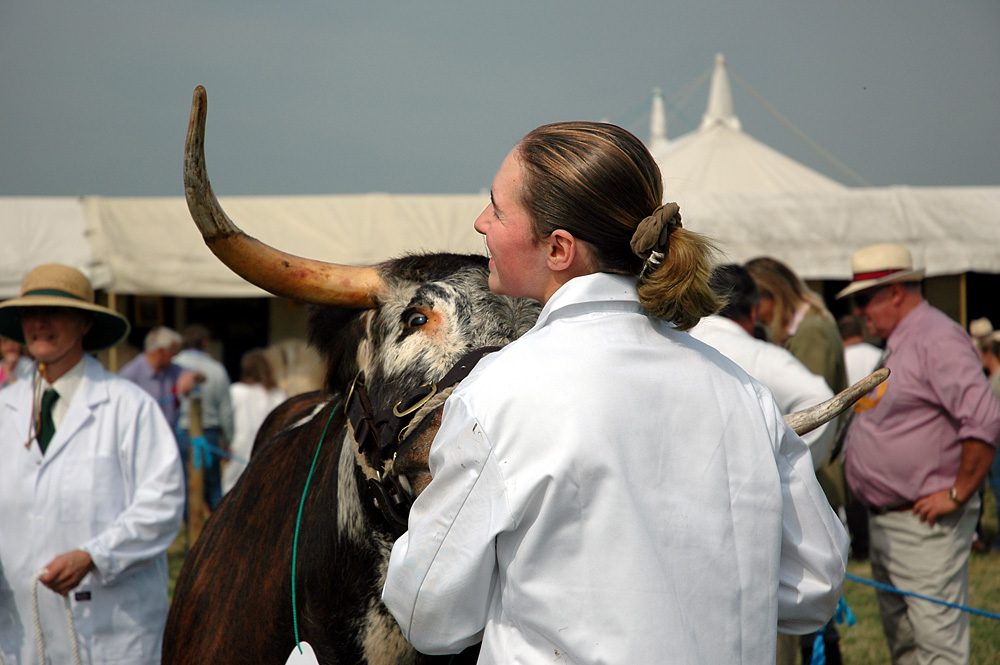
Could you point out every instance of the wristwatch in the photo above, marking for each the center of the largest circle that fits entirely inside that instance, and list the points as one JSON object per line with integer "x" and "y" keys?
{"x": 953, "y": 495}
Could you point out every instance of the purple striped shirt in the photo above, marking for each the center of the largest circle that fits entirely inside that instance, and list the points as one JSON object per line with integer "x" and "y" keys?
{"x": 161, "y": 385}
{"x": 907, "y": 443}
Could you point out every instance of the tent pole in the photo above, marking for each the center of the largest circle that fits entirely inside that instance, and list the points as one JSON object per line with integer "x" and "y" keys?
{"x": 963, "y": 293}
{"x": 113, "y": 351}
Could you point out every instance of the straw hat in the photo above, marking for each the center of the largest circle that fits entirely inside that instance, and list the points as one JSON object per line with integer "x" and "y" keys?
{"x": 56, "y": 285}
{"x": 877, "y": 265}
{"x": 980, "y": 327}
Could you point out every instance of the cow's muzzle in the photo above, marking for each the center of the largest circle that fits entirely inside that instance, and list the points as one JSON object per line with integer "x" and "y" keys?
{"x": 381, "y": 436}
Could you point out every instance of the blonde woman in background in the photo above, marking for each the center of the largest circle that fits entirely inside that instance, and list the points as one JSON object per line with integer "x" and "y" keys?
{"x": 797, "y": 319}
{"x": 254, "y": 396}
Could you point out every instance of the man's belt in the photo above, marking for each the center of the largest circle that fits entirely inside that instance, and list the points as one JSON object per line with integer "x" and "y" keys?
{"x": 899, "y": 506}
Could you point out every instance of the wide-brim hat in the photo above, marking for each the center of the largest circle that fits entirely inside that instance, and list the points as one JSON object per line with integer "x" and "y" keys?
{"x": 56, "y": 285}
{"x": 877, "y": 265}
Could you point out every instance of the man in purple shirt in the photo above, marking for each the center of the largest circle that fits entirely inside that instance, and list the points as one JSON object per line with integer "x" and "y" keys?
{"x": 918, "y": 449}
{"x": 154, "y": 372}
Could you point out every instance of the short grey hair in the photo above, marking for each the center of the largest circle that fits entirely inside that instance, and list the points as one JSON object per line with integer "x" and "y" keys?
{"x": 161, "y": 337}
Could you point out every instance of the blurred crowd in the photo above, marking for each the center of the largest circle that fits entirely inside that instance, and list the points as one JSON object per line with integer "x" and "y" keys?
{"x": 910, "y": 458}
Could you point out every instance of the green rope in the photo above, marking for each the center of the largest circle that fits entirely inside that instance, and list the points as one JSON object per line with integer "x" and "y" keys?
{"x": 298, "y": 522}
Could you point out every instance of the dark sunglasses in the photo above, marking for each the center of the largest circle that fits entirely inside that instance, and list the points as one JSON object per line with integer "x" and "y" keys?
{"x": 862, "y": 299}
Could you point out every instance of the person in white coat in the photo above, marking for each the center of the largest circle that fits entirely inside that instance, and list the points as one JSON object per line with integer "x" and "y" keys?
{"x": 607, "y": 489}
{"x": 793, "y": 386}
{"x": 254, "y": 396}
{"x": 860, "y": 357}
{"x": 791, "y": 383}
{"x": 91, "y": 494}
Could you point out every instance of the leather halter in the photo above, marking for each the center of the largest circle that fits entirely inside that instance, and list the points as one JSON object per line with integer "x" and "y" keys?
{"x": 378, "y": 436}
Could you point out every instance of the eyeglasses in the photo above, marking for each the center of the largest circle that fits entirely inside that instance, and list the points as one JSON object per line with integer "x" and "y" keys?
{"x": 862, "y": 299}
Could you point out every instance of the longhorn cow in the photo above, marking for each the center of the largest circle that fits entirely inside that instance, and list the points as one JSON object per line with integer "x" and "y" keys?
{"x": 391, "y": 335}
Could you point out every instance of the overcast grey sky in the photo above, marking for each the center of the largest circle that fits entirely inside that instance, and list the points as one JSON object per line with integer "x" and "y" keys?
{"x": 327, "y": 97}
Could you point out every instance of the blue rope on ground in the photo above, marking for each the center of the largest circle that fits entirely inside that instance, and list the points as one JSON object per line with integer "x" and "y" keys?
{"x": 892, "y": 589}
{"x": 203, "y": 451}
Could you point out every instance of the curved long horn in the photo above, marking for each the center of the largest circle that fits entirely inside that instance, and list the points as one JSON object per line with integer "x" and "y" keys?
{"x": 810, "y": 419}
{"x": 282, "y": 274}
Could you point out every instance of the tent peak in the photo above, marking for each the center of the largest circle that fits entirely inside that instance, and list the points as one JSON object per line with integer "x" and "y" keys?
{"x": 657, "y": 123}
{"x": 720, "y": 100}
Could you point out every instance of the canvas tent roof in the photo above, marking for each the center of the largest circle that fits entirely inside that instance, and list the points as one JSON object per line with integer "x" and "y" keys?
{"x": 45, "y": 230}
{"x": 720, "y": 157}
{"x": 751, "y": 199}
{"x": 151, "y": 246}
{"x": 949, "y": 230}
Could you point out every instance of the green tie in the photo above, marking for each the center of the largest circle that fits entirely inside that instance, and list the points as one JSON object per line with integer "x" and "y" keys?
{"x": 46, "y": 426}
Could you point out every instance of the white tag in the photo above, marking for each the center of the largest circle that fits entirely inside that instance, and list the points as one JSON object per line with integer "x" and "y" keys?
{"x": 307, "y": 657}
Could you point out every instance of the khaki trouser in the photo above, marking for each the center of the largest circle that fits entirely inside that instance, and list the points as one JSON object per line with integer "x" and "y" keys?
{"x": 931, "y": 561}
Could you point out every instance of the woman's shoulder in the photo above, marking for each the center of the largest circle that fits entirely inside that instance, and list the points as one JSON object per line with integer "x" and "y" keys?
{"x": 816, "y": 323}
{"x": 815, "y": 333}
{"x": 240, "y": 388}
{"x": 249, "y": 391}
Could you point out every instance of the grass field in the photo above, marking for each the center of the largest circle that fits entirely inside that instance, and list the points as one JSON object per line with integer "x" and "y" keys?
{"x": 864, "y": 643}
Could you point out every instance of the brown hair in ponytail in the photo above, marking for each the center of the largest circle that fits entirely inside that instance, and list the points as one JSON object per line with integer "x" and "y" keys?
{"x": 598, "y": 181}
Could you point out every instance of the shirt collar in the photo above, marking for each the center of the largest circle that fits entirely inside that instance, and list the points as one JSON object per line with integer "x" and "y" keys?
{"x": 67, "y": 386}
{"x": 596, "y": 287}
{"x": 909, "y": 324}
{"x": 69, "y": 382}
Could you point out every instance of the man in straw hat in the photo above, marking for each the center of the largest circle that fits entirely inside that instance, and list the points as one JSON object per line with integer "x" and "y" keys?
{"x": 90, "y": 486}
{"x": 917, "y": 451}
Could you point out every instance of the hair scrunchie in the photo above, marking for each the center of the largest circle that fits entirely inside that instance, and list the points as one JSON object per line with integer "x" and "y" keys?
{"x": 653, "y": 233}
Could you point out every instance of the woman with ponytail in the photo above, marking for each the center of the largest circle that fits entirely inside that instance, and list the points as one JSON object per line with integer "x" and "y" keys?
{"x": 606, "y": 488}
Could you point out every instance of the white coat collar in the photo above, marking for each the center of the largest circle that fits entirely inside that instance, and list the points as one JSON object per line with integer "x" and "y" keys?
{"x": 598, "y": 290}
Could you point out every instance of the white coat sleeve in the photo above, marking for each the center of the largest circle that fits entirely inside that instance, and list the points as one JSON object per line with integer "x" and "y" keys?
{"x": 443, "y": 572}
{"x": 795, "y": 388}
{"x": 154, "y": 493}
{"x": 813, "y": 544}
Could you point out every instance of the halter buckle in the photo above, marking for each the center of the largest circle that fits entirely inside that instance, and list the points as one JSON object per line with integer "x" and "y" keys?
{"x": 416, "y": 405}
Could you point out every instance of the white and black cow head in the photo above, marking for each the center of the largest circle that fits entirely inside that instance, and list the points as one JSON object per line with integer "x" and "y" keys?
{"x": 431, "y": 312}
{"x": 393, "y": 328}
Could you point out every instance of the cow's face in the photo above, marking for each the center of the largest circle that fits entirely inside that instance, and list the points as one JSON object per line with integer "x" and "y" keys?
{"x": 433, "y": 310}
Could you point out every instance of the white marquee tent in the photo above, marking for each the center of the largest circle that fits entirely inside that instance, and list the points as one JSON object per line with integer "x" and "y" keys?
{"x": 751, "y": 199}
{"x": 756, "y": 201}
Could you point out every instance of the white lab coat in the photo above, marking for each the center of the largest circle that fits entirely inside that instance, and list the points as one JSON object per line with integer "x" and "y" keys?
{"x": 110, "y": 483}
{"x": 794, "y": 387}
{"x": 609, "y": 490}
{"x": 252, "y": 404}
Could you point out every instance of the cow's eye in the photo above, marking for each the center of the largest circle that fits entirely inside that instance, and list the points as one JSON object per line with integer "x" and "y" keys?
{"x": 415, "y": 319}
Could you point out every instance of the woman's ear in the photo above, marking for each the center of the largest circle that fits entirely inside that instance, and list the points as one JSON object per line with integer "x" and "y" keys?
{"x": 561, "y": 246}
{"x": 567, "y": 253}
